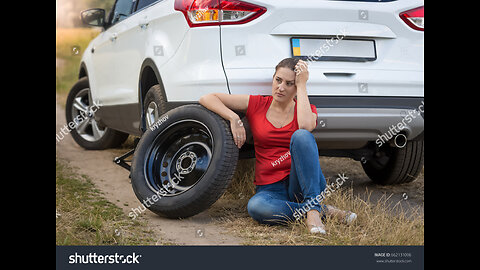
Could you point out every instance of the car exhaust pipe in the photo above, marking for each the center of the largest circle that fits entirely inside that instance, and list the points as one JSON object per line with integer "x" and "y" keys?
{"x": 400, "y": 141}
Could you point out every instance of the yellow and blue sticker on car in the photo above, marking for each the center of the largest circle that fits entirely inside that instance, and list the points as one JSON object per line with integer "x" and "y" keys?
{"x": 296, "y": 47}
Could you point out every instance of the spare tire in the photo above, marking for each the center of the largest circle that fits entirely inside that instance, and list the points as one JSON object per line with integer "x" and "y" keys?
{"x": 184, "y": 162}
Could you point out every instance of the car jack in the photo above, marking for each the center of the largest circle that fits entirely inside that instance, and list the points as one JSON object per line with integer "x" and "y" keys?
{"x": 121, "y": 160}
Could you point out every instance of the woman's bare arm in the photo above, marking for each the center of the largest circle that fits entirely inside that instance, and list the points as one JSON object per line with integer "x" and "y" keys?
{"x": 225, "y": 105}
{"x": 306, "y": 118}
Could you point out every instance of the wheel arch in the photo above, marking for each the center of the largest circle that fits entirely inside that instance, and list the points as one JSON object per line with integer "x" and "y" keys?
{"x": 83, "y": 71}
{"x": 149, "y": 76}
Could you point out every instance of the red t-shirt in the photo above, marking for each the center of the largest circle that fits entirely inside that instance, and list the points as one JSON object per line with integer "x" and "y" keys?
{"x": 272, "y": 145}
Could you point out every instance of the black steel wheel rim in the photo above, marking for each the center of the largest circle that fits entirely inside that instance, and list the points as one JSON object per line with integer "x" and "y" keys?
{"x": 178, "y": 158}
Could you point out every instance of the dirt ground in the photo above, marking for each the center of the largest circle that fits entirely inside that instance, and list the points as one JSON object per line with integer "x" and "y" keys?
{"x": 409, "y": 197}
{"x": 202, "y": 229}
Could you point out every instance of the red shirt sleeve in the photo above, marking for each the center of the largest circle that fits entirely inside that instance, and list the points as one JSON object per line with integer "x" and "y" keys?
{"x": 253, "y": 104}
{"x": 314, "y": 110}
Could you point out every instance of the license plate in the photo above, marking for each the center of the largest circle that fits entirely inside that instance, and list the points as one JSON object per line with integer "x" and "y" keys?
{"x": 331, "y": 49}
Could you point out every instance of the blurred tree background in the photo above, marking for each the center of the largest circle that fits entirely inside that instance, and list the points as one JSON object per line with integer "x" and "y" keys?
{"x": 68, "y": 11}
{"x": 72, "y": 38}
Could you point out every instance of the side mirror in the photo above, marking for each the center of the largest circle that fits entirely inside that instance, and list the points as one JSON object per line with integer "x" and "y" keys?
{"x": 93, "y": 17}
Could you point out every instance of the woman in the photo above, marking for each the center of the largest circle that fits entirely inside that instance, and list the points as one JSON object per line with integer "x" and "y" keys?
{"x": 288, "y": 176}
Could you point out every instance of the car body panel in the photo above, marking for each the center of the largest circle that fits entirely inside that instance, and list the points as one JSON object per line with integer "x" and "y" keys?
{"x": 241, "y": 59}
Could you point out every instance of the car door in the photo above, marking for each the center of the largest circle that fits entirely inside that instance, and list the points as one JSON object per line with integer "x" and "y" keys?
{"x": 115, "y": 58}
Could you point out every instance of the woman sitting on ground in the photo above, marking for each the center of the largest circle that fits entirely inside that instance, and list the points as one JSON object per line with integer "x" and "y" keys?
{"x": 288, "y": 176}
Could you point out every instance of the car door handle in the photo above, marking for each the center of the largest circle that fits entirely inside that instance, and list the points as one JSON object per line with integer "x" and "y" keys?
{"x": 339, "y": 75}
{"x": 143, "y": 24}
{"x": 113, "y": 37}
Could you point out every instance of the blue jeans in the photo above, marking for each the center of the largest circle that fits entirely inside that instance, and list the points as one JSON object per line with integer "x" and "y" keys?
{"x": 291, "y": 198}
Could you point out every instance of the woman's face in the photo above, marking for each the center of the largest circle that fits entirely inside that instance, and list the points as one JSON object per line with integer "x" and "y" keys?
{"x": 283, "y": 86}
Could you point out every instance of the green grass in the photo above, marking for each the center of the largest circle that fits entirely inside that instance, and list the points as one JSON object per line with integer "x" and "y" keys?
{"x": 84, "y": 217}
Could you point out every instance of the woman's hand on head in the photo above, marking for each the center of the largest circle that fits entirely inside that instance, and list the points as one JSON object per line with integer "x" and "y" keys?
{"x": 302, "y": 73}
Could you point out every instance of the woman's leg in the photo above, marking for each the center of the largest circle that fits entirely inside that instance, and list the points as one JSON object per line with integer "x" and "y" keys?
{"x": 272, "y": 205}
{"x": 300, "y": 196}
{"x": 291, "y": 200}
{"x": 306, "y": 182}
{"x": 269, "y": 204}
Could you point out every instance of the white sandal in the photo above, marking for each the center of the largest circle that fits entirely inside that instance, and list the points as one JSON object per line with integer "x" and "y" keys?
{"x": 319, "y": 230}
{"x": 350, "y": 217}
{"x": 316, "y": 229}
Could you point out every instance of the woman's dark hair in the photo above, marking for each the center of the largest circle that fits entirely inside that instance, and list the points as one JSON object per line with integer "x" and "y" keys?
{"x": 289, "y": 63}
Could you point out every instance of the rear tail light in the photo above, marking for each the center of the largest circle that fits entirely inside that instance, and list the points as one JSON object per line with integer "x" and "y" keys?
{"x": 218, "y": 12}
{"x": 414, "y": 18}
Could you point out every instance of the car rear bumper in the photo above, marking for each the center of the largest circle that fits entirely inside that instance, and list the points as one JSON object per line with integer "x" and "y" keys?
{"x": 352, "y": 122}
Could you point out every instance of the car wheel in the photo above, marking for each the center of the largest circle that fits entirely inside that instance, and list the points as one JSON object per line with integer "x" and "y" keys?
{"x": 393, "y": 165}
{"x": 184, "y": 163}
{"x": 88, "y": 132}
{"x": 154, "y": 105}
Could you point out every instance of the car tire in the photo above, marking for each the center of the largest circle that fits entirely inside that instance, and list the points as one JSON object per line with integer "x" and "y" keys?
{"x": 393, "y": 165}
{"x": 155, "y": 105}
{"x": 88, "y": 131}
{"x": 184, "y": 163}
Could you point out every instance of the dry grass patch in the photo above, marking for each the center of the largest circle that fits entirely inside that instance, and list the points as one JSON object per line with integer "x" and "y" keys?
{"x": 381, "y": 222}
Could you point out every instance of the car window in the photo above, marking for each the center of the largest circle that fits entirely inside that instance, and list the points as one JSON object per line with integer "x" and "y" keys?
{"x": 122, "y": 9}
{"x": 143, "y": 3}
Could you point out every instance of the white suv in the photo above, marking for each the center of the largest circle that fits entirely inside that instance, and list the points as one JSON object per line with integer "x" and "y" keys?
{"x": 145, "y": 72}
